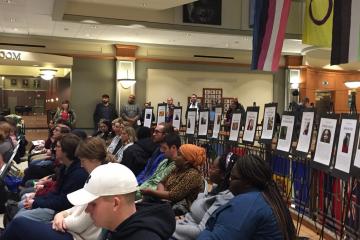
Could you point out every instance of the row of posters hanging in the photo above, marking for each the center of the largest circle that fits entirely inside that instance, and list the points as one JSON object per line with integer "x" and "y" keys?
{"x": 335, "y": 133}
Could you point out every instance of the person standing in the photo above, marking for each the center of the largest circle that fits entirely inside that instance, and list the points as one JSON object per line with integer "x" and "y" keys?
{"x": 130, "y": 111}
{"x": 65, "y": 113}
{"x": 169, "y": 109}
{"x": 194, "y": 104}
{"x": 104, "y": 110}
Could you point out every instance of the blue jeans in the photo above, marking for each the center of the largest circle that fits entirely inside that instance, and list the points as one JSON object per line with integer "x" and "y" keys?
{"x": 26, "y": 229}
{"x": 37, "y": 214}
{"x": 42, "y": 162}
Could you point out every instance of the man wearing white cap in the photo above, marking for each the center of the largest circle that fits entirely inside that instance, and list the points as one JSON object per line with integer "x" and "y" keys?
{"x": 110, "y": 195}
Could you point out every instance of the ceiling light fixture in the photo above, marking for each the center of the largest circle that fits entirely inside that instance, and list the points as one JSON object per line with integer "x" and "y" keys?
{"x": 47, "y": 74}
{"x": 352, "y": 84}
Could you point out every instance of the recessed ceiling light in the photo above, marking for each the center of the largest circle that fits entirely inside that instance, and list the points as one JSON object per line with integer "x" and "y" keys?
{"x": 90, "y": 21}
{"x": 135, "y": 26}
{"x": 35, "y": 65}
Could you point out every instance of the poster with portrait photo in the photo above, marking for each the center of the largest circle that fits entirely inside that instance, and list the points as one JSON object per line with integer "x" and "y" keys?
{"x": 148, "y": 117}
{"x": 325, "y": 142}
{"x": 161, "y": 113}
{"x": 252, "y": 114}
{"x": 176, "y": 122}
{"x": 268, "y": 122}
{"x": 217, "y": 122}
{"x": 345, "y": 146}
{"x": 203, "y": 123}
{"x": 306, "y": 129}
{"x": 286, "y": 132}
{"x": 355, "y": 167}
{"x": 235, "y": 126}
{"x": 190, "y": 121}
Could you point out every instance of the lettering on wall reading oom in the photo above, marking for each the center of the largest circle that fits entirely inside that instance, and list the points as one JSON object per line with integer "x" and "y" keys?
{"x": 10, "y": 55}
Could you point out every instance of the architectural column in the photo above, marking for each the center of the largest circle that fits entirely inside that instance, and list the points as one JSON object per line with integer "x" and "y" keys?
{"x": 294, "y": 80}
{"x": 125, "y": 72}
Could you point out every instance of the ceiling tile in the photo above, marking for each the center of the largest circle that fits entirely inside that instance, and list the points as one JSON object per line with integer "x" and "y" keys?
{"x": 66, "y": 29}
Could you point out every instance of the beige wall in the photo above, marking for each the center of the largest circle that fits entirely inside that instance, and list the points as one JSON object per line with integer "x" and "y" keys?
{"x": 90, "y": 79}
{"x": 181, "y": 84}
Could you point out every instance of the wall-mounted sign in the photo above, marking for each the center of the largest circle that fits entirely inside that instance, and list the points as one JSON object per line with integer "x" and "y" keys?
{"x": 10, "y": 55}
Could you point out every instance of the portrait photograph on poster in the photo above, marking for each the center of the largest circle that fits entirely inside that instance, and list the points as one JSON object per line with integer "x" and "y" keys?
{"x": 191, "y": 118}
{"x": 268, "y": 126}
{"x": 286, "y": 132}
{"x": 355, "y": 167}
{"x": 176, "y": 122}
{"x": 235, "y": 127}
{"x": 252, "y": 114}
{"x": 161, "y": 110}
{"x": 325, "y": 142}
{"x": 306, "y": 130}
{"x": 217, "y": 122}
{"x": 148, "y": 117}
{"x": 203, "y": 123}
{"x": 345, "y": 146}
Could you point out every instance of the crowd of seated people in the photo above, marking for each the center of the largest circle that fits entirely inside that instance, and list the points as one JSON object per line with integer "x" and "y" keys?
{"x": 73, "y": 222}
{"x": 81, "y": 196}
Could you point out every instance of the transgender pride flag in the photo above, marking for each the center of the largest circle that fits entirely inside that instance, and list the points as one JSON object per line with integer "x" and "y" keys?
{"x": 268, "y": 34}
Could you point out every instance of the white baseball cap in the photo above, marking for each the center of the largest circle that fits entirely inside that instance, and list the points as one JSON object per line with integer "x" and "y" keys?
{"x": 105, "y": 180}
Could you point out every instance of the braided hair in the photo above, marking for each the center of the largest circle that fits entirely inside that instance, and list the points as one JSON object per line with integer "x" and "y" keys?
{"x": 226, "y": 163}
{"x": 255, "y": 172}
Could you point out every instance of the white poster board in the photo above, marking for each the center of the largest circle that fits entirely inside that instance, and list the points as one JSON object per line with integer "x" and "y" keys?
{"x": 345, "y": 145}
{"x": 148, "y": 117}
{"x": 235, "y": 127}
{"x": 250, "y": 125}
{"x": 357, "y": 153}
{"x": 203, "y": 123}
{"x": 217, "y": 122}
{"x": 176, "y": 122}
{"x": 325, "y": 141}
{"x": 161, "y": 113}
{"x": 190, "y": 121}
{"x": 286, "y": 133}
{"x": 307, "y": 123}
{"x": 268, "y": 123}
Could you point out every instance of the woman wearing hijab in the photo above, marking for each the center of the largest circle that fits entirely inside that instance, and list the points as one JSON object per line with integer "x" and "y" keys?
{"x": 185, "y": 181}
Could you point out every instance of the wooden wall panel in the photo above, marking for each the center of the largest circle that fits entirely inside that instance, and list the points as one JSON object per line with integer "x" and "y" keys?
{"x": 341, "y": 101}
{"x": 314, "y": 79}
